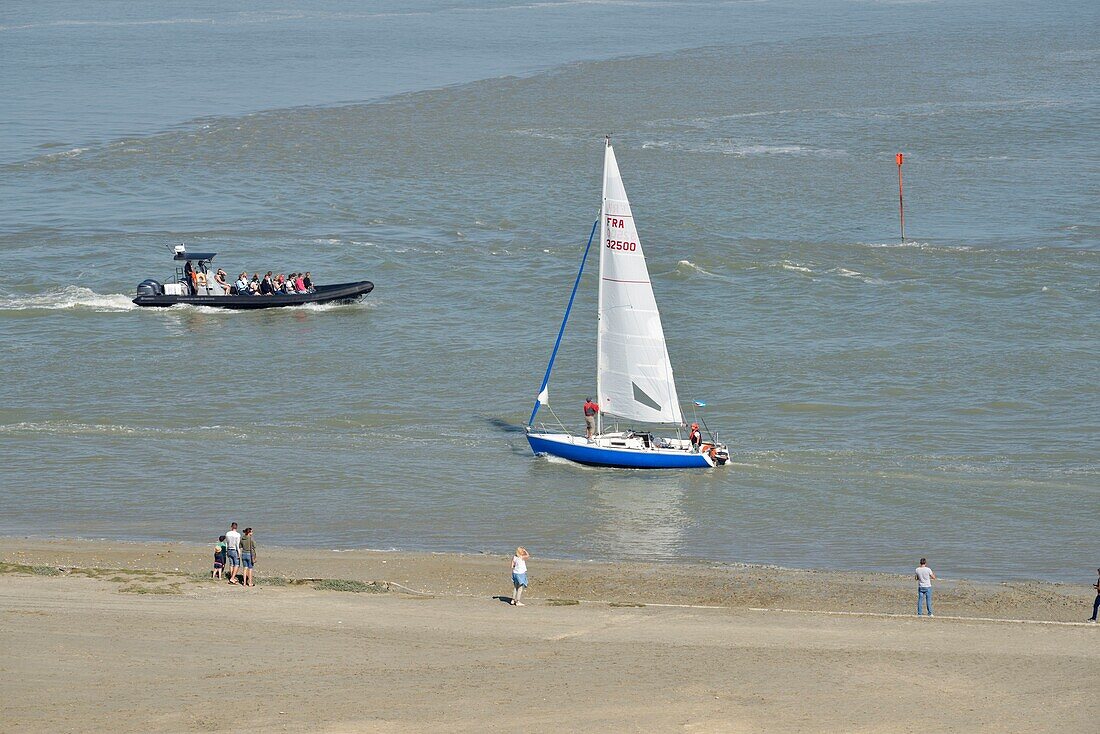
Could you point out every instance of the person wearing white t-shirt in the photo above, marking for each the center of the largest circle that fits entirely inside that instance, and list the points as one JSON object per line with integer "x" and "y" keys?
{"x": 519, "y": 575}
{"x": 924, "y": 577}
{"x": 233, "y": 552}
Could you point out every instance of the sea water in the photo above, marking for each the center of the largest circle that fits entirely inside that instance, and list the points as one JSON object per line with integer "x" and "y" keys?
{"x": 883, "y": 400}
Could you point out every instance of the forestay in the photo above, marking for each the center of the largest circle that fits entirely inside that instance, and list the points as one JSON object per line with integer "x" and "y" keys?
{"x": 634, "y": 379}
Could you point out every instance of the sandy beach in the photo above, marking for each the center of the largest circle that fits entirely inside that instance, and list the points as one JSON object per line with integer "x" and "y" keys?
{"x": 114, "y": 636}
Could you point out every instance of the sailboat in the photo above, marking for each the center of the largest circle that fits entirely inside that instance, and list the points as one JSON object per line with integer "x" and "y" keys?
{"x": 634, "y": 381}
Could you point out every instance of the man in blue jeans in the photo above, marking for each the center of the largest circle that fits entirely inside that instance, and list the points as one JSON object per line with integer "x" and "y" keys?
{"x": 233, "y": 552}
{"x": 924, "y": 578}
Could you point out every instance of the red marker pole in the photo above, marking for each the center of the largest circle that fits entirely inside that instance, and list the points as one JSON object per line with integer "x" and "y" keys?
{"x": 901, "y": 198}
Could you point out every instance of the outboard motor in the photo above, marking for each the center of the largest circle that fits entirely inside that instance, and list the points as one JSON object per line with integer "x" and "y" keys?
{"x": 150, "y": 287}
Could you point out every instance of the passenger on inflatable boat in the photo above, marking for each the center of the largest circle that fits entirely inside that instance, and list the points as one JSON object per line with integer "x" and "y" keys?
{"x": 219, "y": 278}
{"x": 189, "y": 273}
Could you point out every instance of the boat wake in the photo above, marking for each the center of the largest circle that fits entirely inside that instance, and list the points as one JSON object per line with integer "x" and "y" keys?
{"x": 71, "y": 297}
{"x": 182, "y": 307}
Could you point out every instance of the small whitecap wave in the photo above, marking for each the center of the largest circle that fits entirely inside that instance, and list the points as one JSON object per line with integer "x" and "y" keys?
{"x": 109, "y": 23}
{"x": 553, "y": 4}
{"x": 796, "y": 150}
{"x": 240, "y": 18}
{"x": 689, "y": 266}
{"x": 74, "y": 428}
{"x": 544, "y": 135}
{"x": 746, "y": 150}
{"x": 795, "y": 267}
{"x": 60, "y": 155}
{"x": 913, "y": 244}
{"x": 70, "y": 153}
{"x": 817, "y": 407}
{"x": 855, "y": 275}
{"x": 71, "y": 297}
{"x": 66, "y": 427}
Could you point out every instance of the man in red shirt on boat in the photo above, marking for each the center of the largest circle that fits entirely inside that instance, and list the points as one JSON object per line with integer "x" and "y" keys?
{"x": 590, "y": 411}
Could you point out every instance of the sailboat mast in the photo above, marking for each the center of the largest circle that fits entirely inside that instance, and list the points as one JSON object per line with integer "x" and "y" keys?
{"x": 599, "y": 298}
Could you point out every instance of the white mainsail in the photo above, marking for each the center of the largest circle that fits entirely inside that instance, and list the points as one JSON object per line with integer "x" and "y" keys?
{"x": 634, "y": 375}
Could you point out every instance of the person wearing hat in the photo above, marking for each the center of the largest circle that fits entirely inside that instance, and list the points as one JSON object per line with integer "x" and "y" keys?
{"x": 695, "y": 437}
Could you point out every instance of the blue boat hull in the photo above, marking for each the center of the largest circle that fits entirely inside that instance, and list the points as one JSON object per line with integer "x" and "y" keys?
{"x": 619, "y": 458}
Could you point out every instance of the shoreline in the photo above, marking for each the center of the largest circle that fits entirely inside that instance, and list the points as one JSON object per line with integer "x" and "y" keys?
{"x": 8, "y": 539}
{"x": 135, "y": 637}
{"x": 681, "y": 583}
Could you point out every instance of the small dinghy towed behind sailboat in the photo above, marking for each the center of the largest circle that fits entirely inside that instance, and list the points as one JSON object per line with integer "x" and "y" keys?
{"x": 634, "y": 380}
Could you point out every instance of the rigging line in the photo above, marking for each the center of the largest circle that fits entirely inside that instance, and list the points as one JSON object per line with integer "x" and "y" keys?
{"x": 563, "y": 428}
{"x": 713, "y": 438}
{"x": 561, "y": 331}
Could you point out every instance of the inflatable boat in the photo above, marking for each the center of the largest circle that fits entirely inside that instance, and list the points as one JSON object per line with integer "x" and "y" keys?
{"x": 193, "y": 284}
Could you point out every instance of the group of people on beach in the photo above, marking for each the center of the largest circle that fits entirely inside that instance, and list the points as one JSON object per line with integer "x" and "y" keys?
{"x": 235, "y": 552}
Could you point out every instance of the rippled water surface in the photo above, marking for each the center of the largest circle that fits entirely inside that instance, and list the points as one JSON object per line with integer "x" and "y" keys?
{"x": 883, "y": 400}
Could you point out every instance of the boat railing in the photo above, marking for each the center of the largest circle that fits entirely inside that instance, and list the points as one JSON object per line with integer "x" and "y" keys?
{"x": 550, "y": 428}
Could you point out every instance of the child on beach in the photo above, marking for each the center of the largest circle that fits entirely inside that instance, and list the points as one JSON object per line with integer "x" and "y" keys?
{"x": 519, "y": 575}
{"x": 219, "y": 558}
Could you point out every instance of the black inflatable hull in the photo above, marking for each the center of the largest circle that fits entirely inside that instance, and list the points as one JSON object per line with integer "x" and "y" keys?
{"x": 339, "y": 293}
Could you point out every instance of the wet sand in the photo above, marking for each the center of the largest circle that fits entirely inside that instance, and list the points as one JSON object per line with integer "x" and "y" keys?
{"x": 131, "y": 637}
